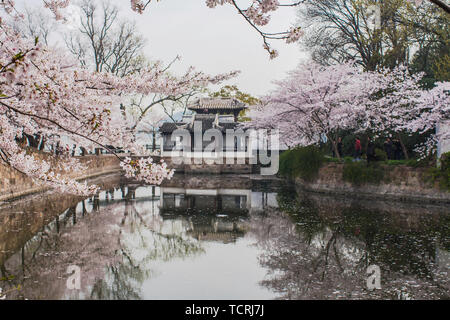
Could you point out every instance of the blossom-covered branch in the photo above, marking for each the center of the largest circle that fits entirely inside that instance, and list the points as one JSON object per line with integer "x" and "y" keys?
{"x": 43, "y": 92}
{"x": 257, "y": 14}
{"x": 315, "y": 100}
{"x": 441, "y": 4}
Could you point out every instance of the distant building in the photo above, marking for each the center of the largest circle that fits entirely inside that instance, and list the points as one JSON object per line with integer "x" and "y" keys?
{"x": 210, "y": 113}
{"x": 221, "y": 106}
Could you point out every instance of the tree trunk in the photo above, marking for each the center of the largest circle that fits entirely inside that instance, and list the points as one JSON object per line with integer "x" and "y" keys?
{"x": 56, "y": 149}
{"x": 334, "y": 145}
{"x": 29, "y": 140}
{"x": 41, "y": 144}
{"x": 405, "y": 151}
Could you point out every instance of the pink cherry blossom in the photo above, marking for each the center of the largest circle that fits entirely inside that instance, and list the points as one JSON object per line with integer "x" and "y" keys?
{"x": 43, "y": 91}
{"x": 314, "y": 101}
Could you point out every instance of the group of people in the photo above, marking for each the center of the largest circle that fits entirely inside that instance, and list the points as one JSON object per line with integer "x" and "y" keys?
{"x": 370, "y": 152}
{"x": 392, "y": 148}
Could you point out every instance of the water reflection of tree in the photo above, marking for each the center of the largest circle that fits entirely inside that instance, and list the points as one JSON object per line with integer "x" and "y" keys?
{"x": 321, "y": 250}
{"x": 141, "y": 243}
{"x": 115, "y": 242}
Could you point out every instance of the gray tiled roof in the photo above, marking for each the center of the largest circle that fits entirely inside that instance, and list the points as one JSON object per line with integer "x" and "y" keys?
{"x": 207, "y": 123}
{"x": 217, "y": 103}
{"x": 169, "y": 127}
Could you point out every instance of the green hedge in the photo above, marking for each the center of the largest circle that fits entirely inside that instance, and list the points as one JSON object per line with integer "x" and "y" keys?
{"x": 410, "y": 163}
{"x": 445, "y": 161}
{"x": 359, "y": 173}
{"x": 332, "y": 159}
{"x": 380, "y": 155}
{"x": 441, "y": 174}
{"x": 303, "y": 162}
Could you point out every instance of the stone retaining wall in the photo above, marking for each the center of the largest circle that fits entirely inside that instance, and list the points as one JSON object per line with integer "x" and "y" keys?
{"x": 401, "y": 183}
{"x": 14, "y": 184}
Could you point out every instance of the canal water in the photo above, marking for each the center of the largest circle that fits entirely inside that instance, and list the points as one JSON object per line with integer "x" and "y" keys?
{"x": 221, "y": 237}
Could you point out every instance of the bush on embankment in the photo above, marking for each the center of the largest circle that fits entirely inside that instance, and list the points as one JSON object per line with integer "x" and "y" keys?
{"x": 441, "y": 174}
{"x": 302, "y": 162}
{"x": 305, "y": 163}
{"x": 359, "y": 173}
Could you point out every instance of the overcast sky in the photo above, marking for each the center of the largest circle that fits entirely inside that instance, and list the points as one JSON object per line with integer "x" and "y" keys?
{"x": 213, "y": 40}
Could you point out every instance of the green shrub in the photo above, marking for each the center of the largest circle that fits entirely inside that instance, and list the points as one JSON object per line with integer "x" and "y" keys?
{"x": 445, "y": 171}
{"x": 380, "y": 155}
{"x": 303, "y": 162}
{"x": 286, "y": 163}
{"x": 396, "y": 162}
{"x": 441, "y": 174}
{"x": 359, "y": 173}
{"x": 409, "y": 163}
{"x": 445, "y": 161}
{"x": 348, "y": 159}
{"x": 413, "y": 163}
{"x": 332, "y": 159}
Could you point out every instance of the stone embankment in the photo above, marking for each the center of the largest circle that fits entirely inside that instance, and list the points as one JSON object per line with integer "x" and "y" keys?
{"x": 399, "y": 183}
{"x": 14, "y": 184}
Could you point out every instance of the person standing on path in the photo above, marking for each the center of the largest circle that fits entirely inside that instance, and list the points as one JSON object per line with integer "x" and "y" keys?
{"x": 388, "y": 148}
{"x": 357, "y": 149}
{"x": 339, "y": 147}
{"x": 370, "y": 152}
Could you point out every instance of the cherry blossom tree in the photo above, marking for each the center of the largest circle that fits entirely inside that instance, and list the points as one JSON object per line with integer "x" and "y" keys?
{"x": 313, "y": 101}
{"x": 393, "y": 102}
{"x": 441, "y": 4}
{"x": 44, "y": 92}
{"x": 431, "y": 109}
{"x": 400, "y": 104}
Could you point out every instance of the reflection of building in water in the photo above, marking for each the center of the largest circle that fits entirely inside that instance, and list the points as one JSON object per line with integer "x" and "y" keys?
{"x": 214, "y": 207}
{"x": 208, "y": 214}
{"x": 442, "y": 258}
{"x": 262, "y": 200}
{"x": 226, "y": 201}
{"x": 199, "y": 200}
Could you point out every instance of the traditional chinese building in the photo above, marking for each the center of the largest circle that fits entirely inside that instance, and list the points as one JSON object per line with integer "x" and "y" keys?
{"x": 221, "y": 106}
{"x": 209, "y": 113}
